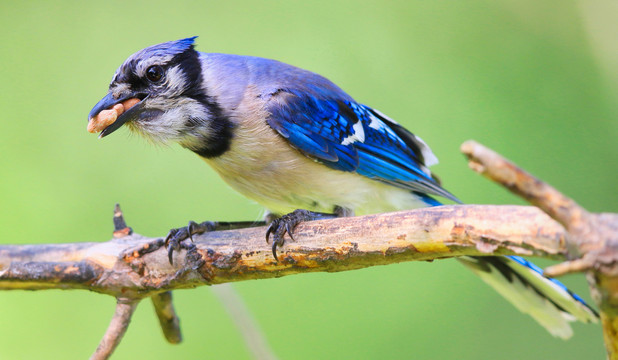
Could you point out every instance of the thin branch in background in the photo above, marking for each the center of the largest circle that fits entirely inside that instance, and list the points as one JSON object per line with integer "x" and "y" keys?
{"x": 245, "y": 322}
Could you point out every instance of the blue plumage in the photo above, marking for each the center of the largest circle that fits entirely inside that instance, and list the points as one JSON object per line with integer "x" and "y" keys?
{"x": 348, "y": 136}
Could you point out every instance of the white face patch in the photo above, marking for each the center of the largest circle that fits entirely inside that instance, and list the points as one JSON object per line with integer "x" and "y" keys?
{"x": 358, "y": 135}
{"x": 175, "y": 81}
{"x": 171, "y": 107}
{"x": 170, "y": 125}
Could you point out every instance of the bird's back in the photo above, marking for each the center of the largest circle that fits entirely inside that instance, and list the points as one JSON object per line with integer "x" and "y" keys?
{"x": 233, "y": 74}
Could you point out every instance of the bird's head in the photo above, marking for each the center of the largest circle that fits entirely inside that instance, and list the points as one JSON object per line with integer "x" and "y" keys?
{"x": 159, "y": 93}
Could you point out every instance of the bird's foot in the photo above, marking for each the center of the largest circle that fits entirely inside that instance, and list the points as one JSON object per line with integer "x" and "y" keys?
{"x": 175, "y": 239}
{"x": 286, "y": 224}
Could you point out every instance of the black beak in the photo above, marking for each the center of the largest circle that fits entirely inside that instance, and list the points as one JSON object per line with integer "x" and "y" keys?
{"x": 107, "y": 102}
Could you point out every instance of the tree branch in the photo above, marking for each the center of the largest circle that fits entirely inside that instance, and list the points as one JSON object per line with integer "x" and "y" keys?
{"x": 117, "y": 327}
{"x": 492, "y": 165}
{"x": 170, "y": 324}
{"x": 132, "y": 267}
{"x": 137, "y": 266}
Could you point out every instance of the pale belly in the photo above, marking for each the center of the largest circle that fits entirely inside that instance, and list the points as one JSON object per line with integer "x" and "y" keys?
{"x": 262, "y": 166}
{"x": 282, "y": 179}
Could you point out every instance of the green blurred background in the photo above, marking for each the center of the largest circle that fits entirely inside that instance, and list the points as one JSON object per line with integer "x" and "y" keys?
{"x": 536, "y": 81}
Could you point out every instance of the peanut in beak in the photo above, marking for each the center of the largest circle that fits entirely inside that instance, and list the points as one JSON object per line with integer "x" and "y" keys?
{"x": 107, "y": 117}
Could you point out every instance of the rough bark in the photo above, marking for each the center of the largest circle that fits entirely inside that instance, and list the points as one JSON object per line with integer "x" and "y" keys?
{"x": 134, "y": 266}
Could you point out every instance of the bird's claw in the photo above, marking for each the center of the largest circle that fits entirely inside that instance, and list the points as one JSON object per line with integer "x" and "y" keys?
{"x": 174, "y": 240}
{"x": 285, "y": 224}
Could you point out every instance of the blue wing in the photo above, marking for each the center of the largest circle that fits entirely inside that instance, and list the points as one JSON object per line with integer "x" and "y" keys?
{"x": 348, "y": 136}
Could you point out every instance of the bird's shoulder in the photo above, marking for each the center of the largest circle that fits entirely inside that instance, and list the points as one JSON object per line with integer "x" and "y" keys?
{"x": 268, "y": 76}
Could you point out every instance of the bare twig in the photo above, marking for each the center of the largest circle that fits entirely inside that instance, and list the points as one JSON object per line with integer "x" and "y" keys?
{"x": 117, "y": 327}
{"x": 569, "y": 267}
{"x": 491, "y": 164}
{"x": 170, "y": 324}
{"x": 591, "y": 241}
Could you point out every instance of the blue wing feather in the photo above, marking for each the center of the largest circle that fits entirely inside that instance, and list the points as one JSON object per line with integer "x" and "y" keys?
{"x": 348, "y": 136}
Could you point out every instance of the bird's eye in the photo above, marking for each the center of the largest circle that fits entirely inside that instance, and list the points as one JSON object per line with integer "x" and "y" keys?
{"x": 154, "y": 73}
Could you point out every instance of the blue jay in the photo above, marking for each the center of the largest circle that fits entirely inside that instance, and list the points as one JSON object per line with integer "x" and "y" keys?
{"x": 299, "y": 145}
